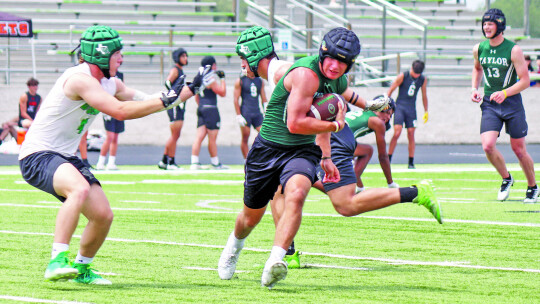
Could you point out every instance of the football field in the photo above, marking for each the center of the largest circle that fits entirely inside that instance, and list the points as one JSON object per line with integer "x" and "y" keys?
{"x": 169, "y": 230}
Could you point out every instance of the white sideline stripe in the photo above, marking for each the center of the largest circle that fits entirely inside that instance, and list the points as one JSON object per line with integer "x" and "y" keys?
{"x": 337, "y": 267}
{"x": 21, "y": 190}
{"x": 348, "y": 257}
{"x": 305, "y": 214}
{"x": 487, "y": 168}
{"x": 408, "y": 262}
{"x": 466, "y": 154}
{"x": 140, "y": 202}
{"x": 192, "y": 181}
{"x": 34, "y": 300}
{"x": 211, "y": 269}
{"x": 116, "y": 183}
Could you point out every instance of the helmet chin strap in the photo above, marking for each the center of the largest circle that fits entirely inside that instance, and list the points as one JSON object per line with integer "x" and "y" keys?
{"x": 106, "y": 73}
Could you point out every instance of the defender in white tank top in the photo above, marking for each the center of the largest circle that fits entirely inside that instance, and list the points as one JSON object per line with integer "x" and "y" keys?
{"x": 61, "y": 122}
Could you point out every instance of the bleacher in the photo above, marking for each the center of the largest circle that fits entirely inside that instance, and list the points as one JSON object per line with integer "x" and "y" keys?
{"x": 151, "y": 30}
{"x": 452, "y": 31}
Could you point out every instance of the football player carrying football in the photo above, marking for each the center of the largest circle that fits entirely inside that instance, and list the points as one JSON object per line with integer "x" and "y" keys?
{"x": 284, "y": 151}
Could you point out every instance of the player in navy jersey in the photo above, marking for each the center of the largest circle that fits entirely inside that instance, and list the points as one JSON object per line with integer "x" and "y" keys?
{"x": 409, "y": 84}
{"x": 29, "y": 103}
{"x": 249, "y": 113}
{"x": 176, "y": 114}
{"x": 209, "y": 121}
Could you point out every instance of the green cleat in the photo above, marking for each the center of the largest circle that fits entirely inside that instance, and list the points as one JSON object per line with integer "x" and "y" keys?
{"x": 293, "y": 261}
{"x": 426, "y": 197}
{"x": 88, "y": 276}
{"x": 59, "y": 268}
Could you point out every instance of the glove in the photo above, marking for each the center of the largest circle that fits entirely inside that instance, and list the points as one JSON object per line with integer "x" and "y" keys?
{"x": 378, "y": 104}
{"x": 241, "y": 120}
{"x": 393, "y": 185}
{"x": 170, "y": 99}
{"x": 220, "y": 74}
{"x": 195, "y": 86}
{"x": 425, "y": 117}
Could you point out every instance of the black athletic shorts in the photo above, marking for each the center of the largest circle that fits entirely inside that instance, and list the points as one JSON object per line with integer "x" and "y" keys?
{"x": 407, "y": 115}
{"x": 254, "y": 119}
{"x": 38, "y": 170}
{"x": 176, "y": 113}
{"x": 113, "y": 125}
{"x": 510, "y": 113}
{"x": 209, "y": 117}
{"x": 270, "y": 164}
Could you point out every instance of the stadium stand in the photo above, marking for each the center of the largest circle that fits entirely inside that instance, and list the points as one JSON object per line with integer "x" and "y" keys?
{"x": 150, "y": 30}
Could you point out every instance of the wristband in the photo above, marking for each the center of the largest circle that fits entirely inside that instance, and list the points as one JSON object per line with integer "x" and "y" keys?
{"x": 474, "y": 89}
{"x": 338, "y": 126}
{"x": 505, "y": 95}
{"x": 326, "y": 157}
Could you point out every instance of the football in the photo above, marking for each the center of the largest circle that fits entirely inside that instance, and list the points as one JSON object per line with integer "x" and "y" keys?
{"x": 326, "y": 107}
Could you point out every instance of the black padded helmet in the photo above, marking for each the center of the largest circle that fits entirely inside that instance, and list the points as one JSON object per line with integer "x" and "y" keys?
{"x": 177, "y": 53}
{"x": 208, "y": 60}
{"x": 340, "y": 44}
{"x": 497, "y": 16}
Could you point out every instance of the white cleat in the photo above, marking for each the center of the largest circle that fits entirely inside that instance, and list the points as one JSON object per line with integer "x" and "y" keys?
{"x": 504, "y": 192}
{"x": 227, "y": 262}
{"x": 273, "y": 273}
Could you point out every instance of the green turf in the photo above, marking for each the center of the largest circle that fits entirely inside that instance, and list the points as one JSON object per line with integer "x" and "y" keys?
{"x": 169, "y": 229}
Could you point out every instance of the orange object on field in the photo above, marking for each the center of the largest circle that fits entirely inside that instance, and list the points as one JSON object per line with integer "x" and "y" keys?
{"x": 21, "y": 133}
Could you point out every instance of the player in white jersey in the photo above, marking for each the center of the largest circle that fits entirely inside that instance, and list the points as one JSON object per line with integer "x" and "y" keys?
{"x": 47, "y": 157}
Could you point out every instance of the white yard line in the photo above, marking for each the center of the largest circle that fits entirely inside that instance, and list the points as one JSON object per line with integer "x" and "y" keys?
{"x": 34, "y": 300}
{"x": 304, "y": 214}
{"x": 339, "y": 256}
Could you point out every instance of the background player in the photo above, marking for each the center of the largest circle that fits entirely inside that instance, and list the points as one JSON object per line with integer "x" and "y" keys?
{"x": 499, "y": 60}
{"x": 29, "y": 104}
{"x": 249, "y": 113}
{"x": 47, "y": 157}
{"x": 209, "y": 121}
{"x": 363, "y": 123}
{"x": 113, "y": 127}
{"x": 409, "y": 83}
{"x": 176, "y": 114}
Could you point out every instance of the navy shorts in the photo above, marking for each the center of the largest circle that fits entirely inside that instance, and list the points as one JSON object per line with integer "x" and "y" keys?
{"x": 343, "y": 145}
{"x": 509, "y": 113}
{"x": 176, "y": 113}
{"x": 38, "y": 170}
{"x": 113, "y": 125}
{"x": 209, "y": 117}
{"x": 405, "y": 114}
{"x": 254, "y": 119}
{"x": 270, "y": 164}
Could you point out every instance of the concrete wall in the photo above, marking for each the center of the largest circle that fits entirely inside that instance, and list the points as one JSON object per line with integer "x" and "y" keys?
{"x": 453, "y": 118}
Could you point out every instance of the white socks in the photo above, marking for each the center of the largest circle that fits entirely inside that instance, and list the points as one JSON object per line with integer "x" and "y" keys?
{"x": 195, "y": 159}
{"x": 112, "y": 161}
{"x": 277, "y": 254}
{"x": 82, "y": 259}
{"x": 214, "y": 160}
{"x": 57, "y": 248}
{"x": 101, "y": 160}
{"x": 236, "y": 244}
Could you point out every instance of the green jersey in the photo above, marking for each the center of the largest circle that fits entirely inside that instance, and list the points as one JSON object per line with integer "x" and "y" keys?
{"x": 358, "y": 122}
{"x": 274, "y": 127}
{"x": 499, "y": 71}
